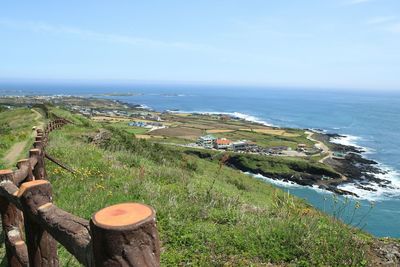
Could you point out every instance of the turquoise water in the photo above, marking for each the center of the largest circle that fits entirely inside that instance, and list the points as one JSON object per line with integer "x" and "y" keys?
{"x": 368, "y": 119}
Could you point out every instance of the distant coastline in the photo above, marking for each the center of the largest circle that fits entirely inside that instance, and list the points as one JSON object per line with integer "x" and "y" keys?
{"x": 356, "y": 172}
{"x": 347, "y": 113}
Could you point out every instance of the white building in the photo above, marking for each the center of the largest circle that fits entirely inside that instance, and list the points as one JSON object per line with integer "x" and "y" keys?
{"x": 206, "y": 141}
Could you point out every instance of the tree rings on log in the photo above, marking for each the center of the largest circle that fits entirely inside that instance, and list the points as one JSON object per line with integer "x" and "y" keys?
{"x": 121, "y": 215}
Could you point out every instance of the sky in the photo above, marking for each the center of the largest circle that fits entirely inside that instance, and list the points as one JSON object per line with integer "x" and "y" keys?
{"x": 315, "y": 43}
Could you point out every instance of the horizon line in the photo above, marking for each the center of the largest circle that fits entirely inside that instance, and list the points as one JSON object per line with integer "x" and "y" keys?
{"x": 78, "y": 81}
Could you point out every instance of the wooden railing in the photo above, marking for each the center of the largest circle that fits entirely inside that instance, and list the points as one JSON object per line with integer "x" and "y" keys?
{"x": 120, "y": 235}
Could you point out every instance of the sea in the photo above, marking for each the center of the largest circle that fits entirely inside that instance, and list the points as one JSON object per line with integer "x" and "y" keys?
{"x": 366, "y": 119}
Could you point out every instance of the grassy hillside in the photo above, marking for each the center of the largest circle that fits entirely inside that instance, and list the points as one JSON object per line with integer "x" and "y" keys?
{"x": 208, "y": 214}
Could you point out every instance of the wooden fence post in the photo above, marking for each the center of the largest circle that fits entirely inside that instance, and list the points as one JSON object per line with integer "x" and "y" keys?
{"x": 38, "y": 144}
{"x": 39, "y": 171}
{"x": 25, "y": 163}
{"x": 42, "y": 248}
{"x": 11, "y": 218}
{"x": 125, "y": 235}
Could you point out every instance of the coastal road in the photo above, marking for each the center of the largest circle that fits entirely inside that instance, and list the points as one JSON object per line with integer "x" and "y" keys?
{"x": 325, "y": 149}
{"x": 321, "y": 145}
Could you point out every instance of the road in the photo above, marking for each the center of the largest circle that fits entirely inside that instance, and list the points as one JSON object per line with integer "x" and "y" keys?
{"x": 325, "y": 149}
{"x": 321, "y": 145}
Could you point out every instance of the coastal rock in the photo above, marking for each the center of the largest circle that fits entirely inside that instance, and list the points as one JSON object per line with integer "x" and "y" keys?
{"x": 385, "y": 253}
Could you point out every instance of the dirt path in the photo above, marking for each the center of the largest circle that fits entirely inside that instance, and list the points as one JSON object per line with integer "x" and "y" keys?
{"x": 16, "y": 150}
{"x": 325, "y": 149}
{"x": 321, "y": 145}
{"x": 39, "y": 124}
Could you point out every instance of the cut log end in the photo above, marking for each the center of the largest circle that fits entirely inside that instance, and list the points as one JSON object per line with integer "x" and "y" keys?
{"x": 6, "y": 175}
{"x": 30, "y": 184}
{"x": 5, "y": 172}
{"x": 34, "y": 150}
{"x": 122, "y": 215}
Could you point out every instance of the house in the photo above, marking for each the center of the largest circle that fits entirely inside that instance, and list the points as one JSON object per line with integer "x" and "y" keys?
{"x": 239, "y": 145}
{"x": 339, "y": 155}
{"x": 206, "y": 141}
{"x": 243, "y": 145}
{"x": 301, "y": 147}
{"x": 222, "y": 143}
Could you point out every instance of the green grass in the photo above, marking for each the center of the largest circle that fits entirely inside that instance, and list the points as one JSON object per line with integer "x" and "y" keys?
{"x": 130, "y": 129}
{"x": 282, "y": 165}
{"x": 208, "y": 214}
{"x": 267, "y": 165}
{"x": 15, "y": 126}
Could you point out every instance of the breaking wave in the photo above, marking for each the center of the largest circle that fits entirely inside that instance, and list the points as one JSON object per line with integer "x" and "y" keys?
{"x": 243, "y": 116}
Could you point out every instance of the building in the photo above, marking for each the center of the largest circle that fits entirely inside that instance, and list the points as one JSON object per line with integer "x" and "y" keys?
{"x": 243, "y": 145}
{"x": 222, "y": 143}
{"x": 206, "y": 141}
{"x": 301, "y": 147}
{"x": 339, "y": 155}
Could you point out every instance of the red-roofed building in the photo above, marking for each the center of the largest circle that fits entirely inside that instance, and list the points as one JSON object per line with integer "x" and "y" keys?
{"x": 222, "y": 143}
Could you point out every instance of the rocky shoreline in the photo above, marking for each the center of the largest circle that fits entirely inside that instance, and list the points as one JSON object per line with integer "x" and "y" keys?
{"x": 351, "y": 168}
{"x": 355, "y": 167}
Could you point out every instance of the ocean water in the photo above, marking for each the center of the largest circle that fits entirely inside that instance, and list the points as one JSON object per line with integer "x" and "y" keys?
{"x": 368, "y": 119}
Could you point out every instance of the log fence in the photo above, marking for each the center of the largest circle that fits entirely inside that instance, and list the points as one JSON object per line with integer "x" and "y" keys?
{"x": 120, "y": 235}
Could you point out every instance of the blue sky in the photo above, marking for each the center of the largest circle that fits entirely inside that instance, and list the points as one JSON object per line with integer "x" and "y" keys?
{"x": 316, "y": 43}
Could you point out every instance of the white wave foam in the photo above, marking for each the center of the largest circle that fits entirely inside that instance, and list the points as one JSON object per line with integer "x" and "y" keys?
{"x": 273, "y": 181}
{"x": 250, "y": 118}
{"x": 143, "y": 106}
{"x": 288, "y": 184}
{"x": 347, "y": 140}
{"x": 379, "y": 192}
{"x": 320, "y": 190}
{"x": 239, "y": 115}
{"x": 351, "y": 140}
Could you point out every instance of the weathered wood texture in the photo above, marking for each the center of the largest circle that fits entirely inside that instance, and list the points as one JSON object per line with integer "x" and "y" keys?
{"x": 42, "y": 248}
{"x": 11, "y": 218}
{"x": 69, "y": 230}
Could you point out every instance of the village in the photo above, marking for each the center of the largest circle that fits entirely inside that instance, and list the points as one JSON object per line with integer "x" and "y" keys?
{"x": 205, "y": 131}
{"x": 245, "y": 146}
{"x": 153, "y": 121}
